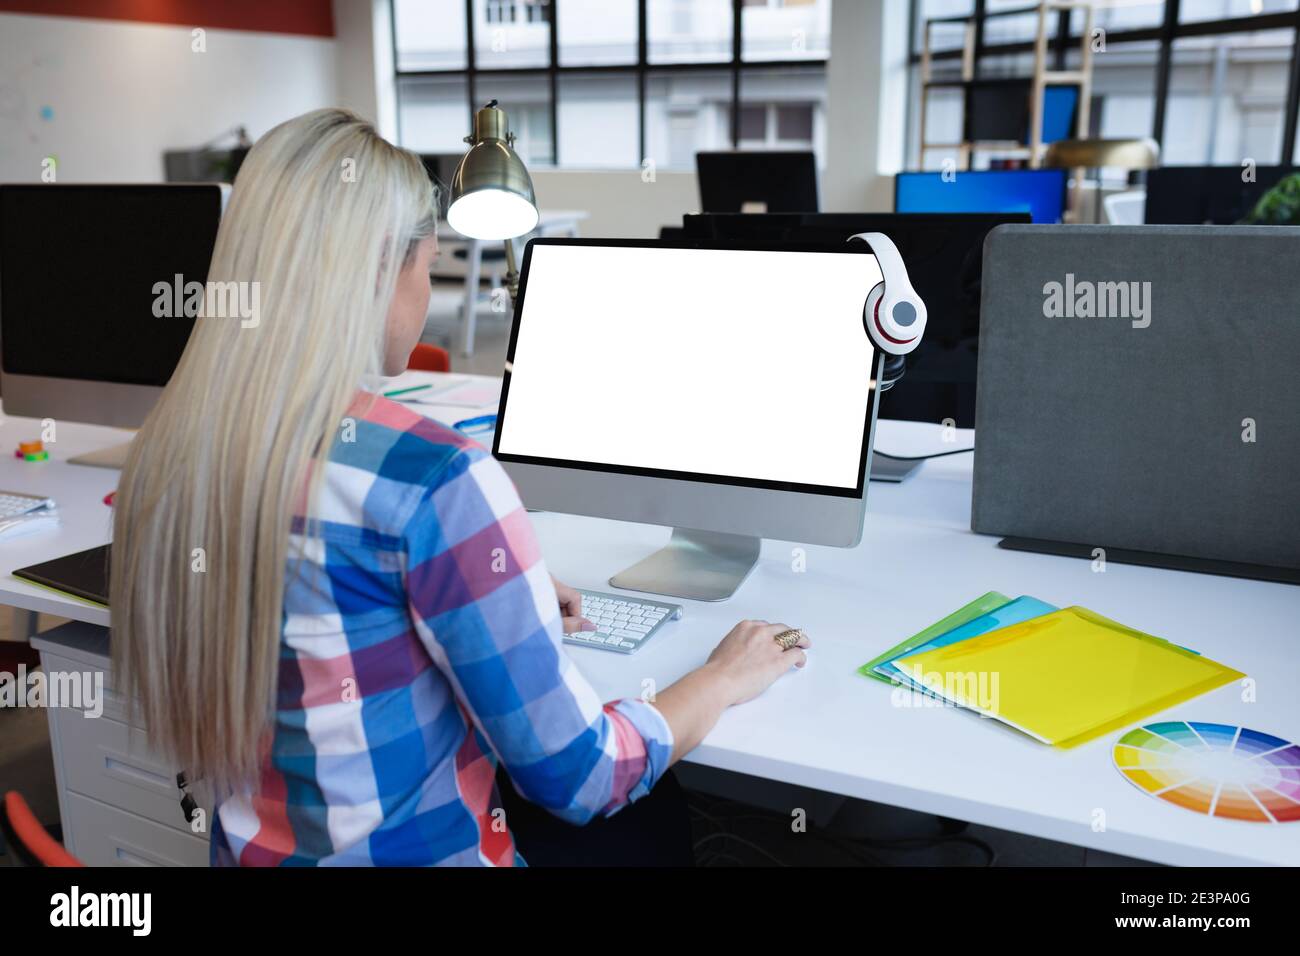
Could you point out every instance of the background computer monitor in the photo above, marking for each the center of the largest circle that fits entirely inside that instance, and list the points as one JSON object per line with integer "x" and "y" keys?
{"x": 944, "y": 255}
{"x": 1206, "y": 194}
{"x": 1001, "y": 109}
{"x": 702, "y": 403}
{"x": 441, "y": 167}
{"x": 759, "y": 181}
{"x": 78, "y": 336}
{"x": 1039, "y": 192}
{"x": 203, "y": 165}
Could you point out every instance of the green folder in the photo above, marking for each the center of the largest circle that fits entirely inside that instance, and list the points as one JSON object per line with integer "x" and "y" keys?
{"x": 977, "y": 608}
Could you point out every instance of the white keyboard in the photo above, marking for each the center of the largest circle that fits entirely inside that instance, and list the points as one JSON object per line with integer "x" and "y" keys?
{"x": 623, "y": 624}
{"x": 14, "y": 503}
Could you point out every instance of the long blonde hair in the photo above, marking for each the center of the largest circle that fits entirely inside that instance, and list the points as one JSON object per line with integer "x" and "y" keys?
{"x": 323, "y": 215}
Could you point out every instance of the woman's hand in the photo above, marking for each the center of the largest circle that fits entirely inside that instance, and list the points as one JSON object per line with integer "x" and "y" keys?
{"x": 571, "y": 608}
{"x": 750, "y": 660}
{"x": 746, "y": 662}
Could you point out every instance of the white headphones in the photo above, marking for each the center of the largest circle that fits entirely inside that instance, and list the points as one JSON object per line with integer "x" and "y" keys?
{"x": 894, "y": 314}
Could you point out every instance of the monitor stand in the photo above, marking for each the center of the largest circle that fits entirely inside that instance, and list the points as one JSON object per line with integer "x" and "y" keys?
{"x": 111, "y": 457}
{"x": 888, "y": 468}
{"x": 698, "y": 565}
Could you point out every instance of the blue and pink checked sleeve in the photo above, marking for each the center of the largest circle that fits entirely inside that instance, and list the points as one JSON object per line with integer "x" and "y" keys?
{"x": 486, "y": 609}
{"x": 421, "y": 645}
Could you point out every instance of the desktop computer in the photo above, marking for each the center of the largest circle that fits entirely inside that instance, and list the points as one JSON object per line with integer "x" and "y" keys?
{"x": 1039, "y": 192}
{"x": 441, "y": 167}
{"x": 1206, "y": 195}
{"x": 79, "y": 335}
{"x": 203, "y": 165}
{"x": 757, "y": 181}
{"x": 944, "y": 255}
{"x": 726, "y": 390}
{"x": 1000, "y": 108}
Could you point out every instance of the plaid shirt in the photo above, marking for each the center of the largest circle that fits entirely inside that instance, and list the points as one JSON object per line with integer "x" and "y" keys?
{"x": 421, "y": 645}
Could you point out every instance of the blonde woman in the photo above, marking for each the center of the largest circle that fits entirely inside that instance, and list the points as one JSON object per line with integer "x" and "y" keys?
{"x": 333, "y": 609}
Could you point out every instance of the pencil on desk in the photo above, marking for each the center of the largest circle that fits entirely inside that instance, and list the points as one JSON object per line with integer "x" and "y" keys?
{"x": 405, "y": 391}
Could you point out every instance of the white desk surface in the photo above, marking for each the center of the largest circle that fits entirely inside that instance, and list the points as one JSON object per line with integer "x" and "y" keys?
{"x": 828, "y": 728}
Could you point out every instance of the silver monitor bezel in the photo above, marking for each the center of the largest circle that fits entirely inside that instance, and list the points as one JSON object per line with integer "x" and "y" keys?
{"x": 717, "y": 503}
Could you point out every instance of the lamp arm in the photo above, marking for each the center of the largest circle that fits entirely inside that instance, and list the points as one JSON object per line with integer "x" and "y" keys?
{"x": 512, "y": 272}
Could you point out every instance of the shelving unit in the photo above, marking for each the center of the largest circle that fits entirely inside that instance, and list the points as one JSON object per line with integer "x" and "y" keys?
{"x": 1041, "y": 79}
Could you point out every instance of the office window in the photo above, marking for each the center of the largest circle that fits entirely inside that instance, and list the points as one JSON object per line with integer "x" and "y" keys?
{"x": 686, "y": 112}
{"x": 1012, "y": 28}
{"x": 1213, "y": 81}
{"x": 510, "y": 34}
{"x": 598, "y": 120}
{"x": 607, "y": 84}
{"x": 433, "y": 113}
{"x": 430, "y": 34}
{"x": 1125, "y": 16}
{"x": 943, "y": 119}
{"x": 783, "y": 109}
{"x": 943, "y": 36}
{"x": 1123, "y": 89}
{"x": 993, "y": 65}
{"x": 526, "y": 98}
{"x": 1196, "y": 11}
{"x": 597, "y": 32}
{"x": 689, "y": 31}
{"x": 785, "y": 29}
{"x": 1227, "y": 99}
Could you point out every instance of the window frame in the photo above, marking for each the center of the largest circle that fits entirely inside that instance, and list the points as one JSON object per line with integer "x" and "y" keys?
{"x": 1165, "y": 34}
{"x": 641, "y": 68}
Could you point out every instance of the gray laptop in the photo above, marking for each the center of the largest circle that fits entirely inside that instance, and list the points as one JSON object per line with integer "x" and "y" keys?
{"x": 1139, "y": 391}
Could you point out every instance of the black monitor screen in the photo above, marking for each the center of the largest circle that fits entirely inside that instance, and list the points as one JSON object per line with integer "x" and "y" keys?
{"x": 1216, "y": 195}
{"x": 772, "y": 181}
{"x": 78, "y": 270}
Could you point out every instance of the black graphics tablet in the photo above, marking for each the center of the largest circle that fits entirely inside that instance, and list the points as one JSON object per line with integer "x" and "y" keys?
{"x": 83, "y": 575}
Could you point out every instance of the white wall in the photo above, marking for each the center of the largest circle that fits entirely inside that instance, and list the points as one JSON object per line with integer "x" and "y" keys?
{"x": 866, "y": 105}
{"x": 118, "y": 93}
{"x": 365, "y": 51}
{"x": 621, "y": 206}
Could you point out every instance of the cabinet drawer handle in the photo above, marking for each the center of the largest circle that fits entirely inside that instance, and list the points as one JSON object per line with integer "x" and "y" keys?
{"x": 126, "y": 856}
{"x": 113, "y": 765}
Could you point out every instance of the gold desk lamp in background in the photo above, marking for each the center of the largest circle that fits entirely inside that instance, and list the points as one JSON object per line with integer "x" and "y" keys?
{"x": 1080, "y": 154}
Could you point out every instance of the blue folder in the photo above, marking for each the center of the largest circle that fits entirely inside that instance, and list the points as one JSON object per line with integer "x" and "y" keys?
{"x": 1021, "y": 609}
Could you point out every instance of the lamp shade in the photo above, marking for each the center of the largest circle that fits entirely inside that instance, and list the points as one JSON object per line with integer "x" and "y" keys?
{"x": 1098, "y": 153}
{"x": 491, "y": 191}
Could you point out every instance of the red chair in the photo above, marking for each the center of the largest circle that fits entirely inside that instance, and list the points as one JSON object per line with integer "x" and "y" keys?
{"x": 31, "y": 841}
{"x": 429, "y": 358}
{"x": 13, "y": 653}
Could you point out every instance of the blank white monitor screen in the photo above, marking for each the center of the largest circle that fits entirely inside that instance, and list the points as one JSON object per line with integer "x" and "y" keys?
{"x": 737, "y": 366}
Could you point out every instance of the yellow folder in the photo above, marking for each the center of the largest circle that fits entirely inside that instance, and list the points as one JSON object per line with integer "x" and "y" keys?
{"x": 1067, "y": 677}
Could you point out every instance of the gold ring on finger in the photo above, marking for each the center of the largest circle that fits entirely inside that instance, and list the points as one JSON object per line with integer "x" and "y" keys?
{"x": 789, "y": 638}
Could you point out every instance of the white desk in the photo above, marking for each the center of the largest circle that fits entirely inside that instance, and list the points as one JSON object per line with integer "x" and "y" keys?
{"x": 79, "y": 490}
{"x": 830, "y": 729}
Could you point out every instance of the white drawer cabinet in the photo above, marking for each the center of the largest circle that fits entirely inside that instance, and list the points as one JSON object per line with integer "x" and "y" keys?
{"x": 111, "y": 836}
{"x": 108, "y": 761}
{"x": 119, "y": 802}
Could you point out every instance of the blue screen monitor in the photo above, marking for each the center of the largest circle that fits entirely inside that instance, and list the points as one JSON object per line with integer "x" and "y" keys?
{"x": 1039, "y": 192}
{"x": 1059, "y": 106}
{"x": 1000, "y": 110}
